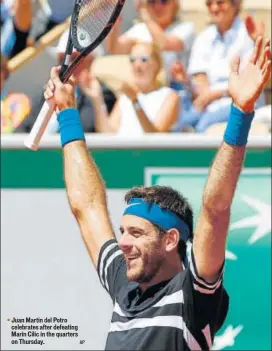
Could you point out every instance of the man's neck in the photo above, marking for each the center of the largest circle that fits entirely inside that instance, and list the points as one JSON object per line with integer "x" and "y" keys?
{"x": 166, "y": 272}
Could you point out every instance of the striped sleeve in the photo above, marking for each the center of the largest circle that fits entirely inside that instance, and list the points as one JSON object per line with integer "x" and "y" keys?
{"x": 111, "y": 268}
{"x": 199, "y": 284}
{"x": 207, "y": 303}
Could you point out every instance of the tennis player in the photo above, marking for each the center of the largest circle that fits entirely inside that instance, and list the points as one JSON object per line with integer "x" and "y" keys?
{"x": 161, "y": 301}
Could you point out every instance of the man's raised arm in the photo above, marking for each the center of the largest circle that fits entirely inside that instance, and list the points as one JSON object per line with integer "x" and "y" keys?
{"x": 85, "y": 187}
{"x": 212, "y": 227}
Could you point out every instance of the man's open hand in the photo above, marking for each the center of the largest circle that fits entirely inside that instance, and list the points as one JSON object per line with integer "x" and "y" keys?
{"x": 245, "y": 87}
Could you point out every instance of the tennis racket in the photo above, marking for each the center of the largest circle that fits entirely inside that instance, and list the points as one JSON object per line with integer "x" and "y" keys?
{"x": 91, "y": 21}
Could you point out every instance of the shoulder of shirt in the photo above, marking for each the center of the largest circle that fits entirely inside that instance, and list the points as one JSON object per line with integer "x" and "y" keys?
{"x": 160, "y": 90}
{"x": 165, "y": 89}
{"x": 137, "y": 26}
{"x": 207, "y": 33}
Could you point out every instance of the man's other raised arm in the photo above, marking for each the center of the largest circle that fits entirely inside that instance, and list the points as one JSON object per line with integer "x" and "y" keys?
{"x": 212, "y": 227}
{"x": 84, "y": 185}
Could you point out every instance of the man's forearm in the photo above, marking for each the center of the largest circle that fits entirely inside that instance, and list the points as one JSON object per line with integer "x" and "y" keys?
{"x": 84, "y": 184}
{"x": 223, "y": 178}
{"x": 85, "y": 187}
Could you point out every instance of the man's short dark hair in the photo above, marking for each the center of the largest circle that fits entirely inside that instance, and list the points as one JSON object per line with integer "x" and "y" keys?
{"x": 169, "y": 199}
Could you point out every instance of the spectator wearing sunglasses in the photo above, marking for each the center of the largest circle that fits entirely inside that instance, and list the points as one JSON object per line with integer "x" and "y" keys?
{"x": 209, "y": 65}
{"x": 143, "y": 106}
{"x": 159, "y": 24}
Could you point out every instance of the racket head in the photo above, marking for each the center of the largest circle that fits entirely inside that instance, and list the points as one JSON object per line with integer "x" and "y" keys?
{"x": 90, "y": 19}
{"x": 91, "y": 22}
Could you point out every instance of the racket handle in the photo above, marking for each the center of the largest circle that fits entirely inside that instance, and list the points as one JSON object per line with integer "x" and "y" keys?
{"x": 33, "y": 139}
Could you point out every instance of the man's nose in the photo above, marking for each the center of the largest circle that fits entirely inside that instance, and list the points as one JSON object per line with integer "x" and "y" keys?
{"x": 125, "y": 242}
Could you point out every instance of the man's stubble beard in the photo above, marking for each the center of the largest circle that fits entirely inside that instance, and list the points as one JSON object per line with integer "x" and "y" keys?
{"x": 146, "y": 270}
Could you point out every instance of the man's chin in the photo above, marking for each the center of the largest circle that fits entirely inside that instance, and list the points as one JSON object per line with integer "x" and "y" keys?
{"x": 133, "y": 276}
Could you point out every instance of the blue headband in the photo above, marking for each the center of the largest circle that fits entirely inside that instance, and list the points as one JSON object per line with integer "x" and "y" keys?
{"x": 155, "y": 214}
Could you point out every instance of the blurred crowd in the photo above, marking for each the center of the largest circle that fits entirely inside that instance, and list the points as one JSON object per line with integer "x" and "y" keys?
{"x": 192, "y": 97}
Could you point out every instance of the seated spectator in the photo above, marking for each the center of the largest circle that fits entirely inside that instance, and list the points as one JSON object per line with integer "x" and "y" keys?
{"x": 15, "y": 107}
{"x": 159, "y": 23}
{"x": 143, "y": 106}
{"x": 209, "y": 65}
{"x": 15, "y": 29}
{"x": 50, "y": 14}
{"x": 85, "y": 105}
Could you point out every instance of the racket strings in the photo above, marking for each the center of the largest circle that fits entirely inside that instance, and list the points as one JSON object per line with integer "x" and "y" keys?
{"x": 91, "y": 19}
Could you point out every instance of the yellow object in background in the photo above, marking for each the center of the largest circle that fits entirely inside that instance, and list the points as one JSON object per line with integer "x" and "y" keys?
{"x": 15, "y": 107}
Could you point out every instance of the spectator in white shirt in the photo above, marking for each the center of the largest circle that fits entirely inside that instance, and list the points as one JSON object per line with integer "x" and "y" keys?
{"x": 143, "y": 106}
{"x": 159, "y": 24}
{"x": 209, "y": 65}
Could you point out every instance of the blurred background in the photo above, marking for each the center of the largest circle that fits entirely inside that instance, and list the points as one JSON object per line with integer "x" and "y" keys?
{"x": 173, "y": 58}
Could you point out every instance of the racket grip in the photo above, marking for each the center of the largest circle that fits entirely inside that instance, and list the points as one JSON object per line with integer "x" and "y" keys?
{"x": 33, "y": 139}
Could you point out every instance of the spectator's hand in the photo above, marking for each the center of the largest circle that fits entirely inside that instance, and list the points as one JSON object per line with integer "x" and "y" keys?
{"x": 30, "y": 42}
{"x": 254, "y": 29}
{"x": 130, "y": 91}
{"x": 90, "y": 85}
{"x": 143, "y": 11}
{"x": 246, "y": 87}
{"x": 61, "y": 94}
{"x": 179, "y": 73}
{"x": 203, "y": 99}
{"x": 139, "y": 4}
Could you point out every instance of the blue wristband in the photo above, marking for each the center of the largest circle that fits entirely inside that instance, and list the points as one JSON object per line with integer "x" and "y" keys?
{"x": 238, "y": 127}
{"x": 70, "y": 126}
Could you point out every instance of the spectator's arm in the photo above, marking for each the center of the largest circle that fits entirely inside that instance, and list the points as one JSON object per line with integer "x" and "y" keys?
{"x": 92, "y": 89}
{"x": 201, "y": 82}
{"x": 118, "y": 44}
{"x": 105, "y": 123}
{"x": 206, "y": 97}
{"x": 164, "y": 41}
{"x": 166, "y": 117}
{"x": 199, "y": 62}
{"x": 22, "y": 15}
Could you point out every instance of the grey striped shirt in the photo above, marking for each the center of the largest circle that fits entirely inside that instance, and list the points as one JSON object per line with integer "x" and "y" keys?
{"x": 182, "y": 313}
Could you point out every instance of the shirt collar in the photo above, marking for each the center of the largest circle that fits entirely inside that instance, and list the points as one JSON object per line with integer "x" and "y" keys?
{"x": 231, "y": 33}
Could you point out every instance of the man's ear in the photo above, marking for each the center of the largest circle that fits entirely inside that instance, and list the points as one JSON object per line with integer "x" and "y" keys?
{"x": 172, "y": 240}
